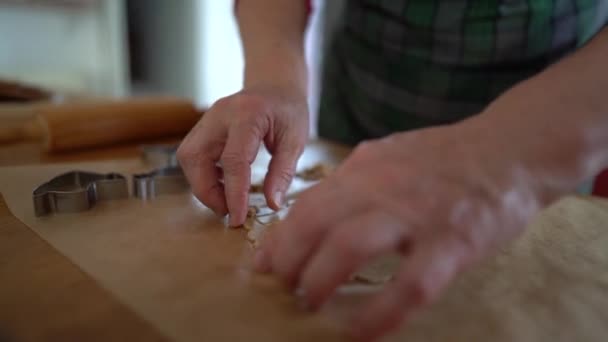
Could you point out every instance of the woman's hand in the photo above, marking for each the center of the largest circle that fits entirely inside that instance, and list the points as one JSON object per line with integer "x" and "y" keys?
{"x": 217, "y": 154}
{"x": 430, "y": 195}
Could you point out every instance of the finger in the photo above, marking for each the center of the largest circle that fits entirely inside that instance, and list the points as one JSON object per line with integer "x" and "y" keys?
{"x": 420, "y": 280}
{"x": 307, "y": 219}
{"x": 197, "y": 156}
{"x": 264, "y": 253}
{"x": 241, "y": 149}
{"x": 206, "y": 186}
{"x": 313, "y": 215}
{"x": 346, "y": 249}
{"x": 327, "y": 204}
{"x": 280, "y": 173}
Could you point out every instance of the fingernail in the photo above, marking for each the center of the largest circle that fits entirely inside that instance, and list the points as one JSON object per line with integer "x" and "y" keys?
{"x": 259, "y": 262}
{"x": 233, "y": 221}
{"x": 278, "y": 198}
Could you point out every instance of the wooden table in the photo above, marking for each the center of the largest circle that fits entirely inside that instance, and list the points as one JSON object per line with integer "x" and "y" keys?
{"x": 30, "y": 153}
{"x": 44, "y": 295}
{"x": 548, "y": 285}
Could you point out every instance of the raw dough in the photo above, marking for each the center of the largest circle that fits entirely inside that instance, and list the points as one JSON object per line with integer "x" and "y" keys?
{"x": 260, "y": 222}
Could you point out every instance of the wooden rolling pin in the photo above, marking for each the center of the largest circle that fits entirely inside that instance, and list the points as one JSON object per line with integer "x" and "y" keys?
{"x": 77, "y": 125}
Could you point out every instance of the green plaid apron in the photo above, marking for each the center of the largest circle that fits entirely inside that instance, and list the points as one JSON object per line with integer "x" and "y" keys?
{"x": 397, "y": 65}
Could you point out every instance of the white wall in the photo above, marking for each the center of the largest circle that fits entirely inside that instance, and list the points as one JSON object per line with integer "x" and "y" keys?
{"x": 220, "y": 68}
{"x": 71, "y": 49}
{"x": 191, "y": 48}
{"x": 168, "y": 41}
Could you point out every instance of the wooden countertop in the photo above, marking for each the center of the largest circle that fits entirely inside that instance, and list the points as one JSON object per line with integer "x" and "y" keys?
{"x": 30, "y": 153}
{"x": 548, "y": 285}
{"x": 43, "y": 295}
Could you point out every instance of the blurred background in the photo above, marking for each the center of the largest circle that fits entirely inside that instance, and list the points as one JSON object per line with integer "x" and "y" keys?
{"x": 120, "y": 48}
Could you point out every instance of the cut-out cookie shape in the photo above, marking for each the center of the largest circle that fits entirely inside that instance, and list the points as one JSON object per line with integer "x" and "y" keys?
{"x": 77, "y": 191}
{"x": 169, "y": 180}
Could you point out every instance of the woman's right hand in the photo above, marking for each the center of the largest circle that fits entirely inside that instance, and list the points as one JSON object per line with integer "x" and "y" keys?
{"x": 217, "y": 153}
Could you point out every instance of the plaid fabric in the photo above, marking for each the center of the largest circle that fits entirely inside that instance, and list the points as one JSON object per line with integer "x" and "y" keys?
{"x": 398, "y": 65}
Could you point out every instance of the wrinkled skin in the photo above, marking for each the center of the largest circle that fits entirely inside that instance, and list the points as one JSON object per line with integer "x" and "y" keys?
{"x": 430, "y": 195}
{"x": 216, "y": 155}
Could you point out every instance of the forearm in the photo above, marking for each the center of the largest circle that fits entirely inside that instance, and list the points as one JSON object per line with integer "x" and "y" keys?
{"x": 556, "y": 123}
{"x": 272, "y": 32}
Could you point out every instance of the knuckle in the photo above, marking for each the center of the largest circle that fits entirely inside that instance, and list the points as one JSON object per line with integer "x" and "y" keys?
{"x": 198, "y": 147}
{"x": 364, "y": 148}
{"x": 242, "y": 106}
{"x": 304, "y": 235}
{"x": 189, "y": 155}
{"x": 298, "y": 232}
{"x": 285, "y": 175}
{"x": 347, "y": 246}
{"x": 363, "y": 152}
{"x": 233, "y": 162}
{"x": 183, "y": 152}
{"x": 250, "y": 125}
{"x": 222, "y": 103}
{"x": 296, "y": 146}
{"x": 185, "y": 155}
{"x": 468, "y": 239}
{"x": 250, "y": 103}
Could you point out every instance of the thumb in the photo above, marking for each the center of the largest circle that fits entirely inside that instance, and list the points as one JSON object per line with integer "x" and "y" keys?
{"x": 281, "y": 171}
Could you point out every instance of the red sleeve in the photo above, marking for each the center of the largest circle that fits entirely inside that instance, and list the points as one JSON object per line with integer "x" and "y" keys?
{"x": 600, "y": 187}
{"x": 308, "y": 6}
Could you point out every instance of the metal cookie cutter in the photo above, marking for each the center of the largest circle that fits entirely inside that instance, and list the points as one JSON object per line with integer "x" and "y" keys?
{"x": 168, "y": 180}
{"x": 160, "y": 155}
{"x": 78, "y": 191}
